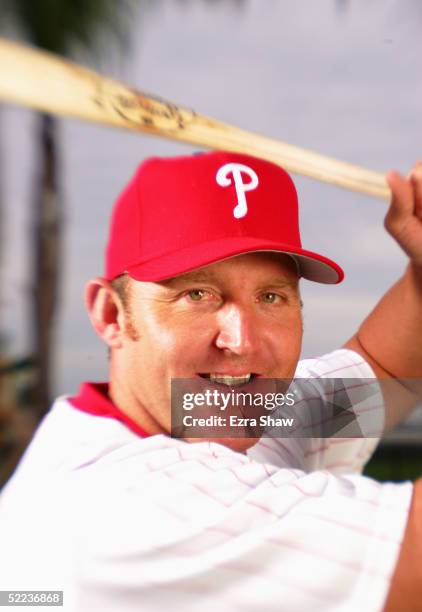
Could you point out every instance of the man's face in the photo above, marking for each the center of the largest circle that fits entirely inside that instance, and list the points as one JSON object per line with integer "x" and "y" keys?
{"x": 235, "y": 317}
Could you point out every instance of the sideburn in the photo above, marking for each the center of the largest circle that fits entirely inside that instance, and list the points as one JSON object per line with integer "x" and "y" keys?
{"x": 130, "y": 329}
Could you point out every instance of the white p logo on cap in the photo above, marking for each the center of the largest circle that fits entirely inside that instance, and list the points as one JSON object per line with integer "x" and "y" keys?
{"x": 224, "y": 180}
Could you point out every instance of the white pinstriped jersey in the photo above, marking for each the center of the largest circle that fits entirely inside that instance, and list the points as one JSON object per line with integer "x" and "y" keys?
{"x": 125, "y": 523}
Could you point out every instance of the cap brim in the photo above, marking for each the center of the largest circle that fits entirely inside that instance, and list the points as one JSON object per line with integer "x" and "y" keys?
{"x": 312, "y": 266}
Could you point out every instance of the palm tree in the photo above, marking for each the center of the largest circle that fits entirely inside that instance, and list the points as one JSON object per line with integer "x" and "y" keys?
{"x": 58, "y": 26}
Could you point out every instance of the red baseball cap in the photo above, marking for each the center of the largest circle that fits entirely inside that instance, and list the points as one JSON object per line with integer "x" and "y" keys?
{"x": 182, "y": 213}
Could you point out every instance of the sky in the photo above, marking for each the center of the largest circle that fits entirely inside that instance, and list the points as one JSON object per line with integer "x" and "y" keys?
{"x": 334, "y": 76}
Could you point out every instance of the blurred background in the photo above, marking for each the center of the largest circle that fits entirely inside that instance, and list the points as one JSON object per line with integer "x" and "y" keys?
{"x": 336, "y": 76}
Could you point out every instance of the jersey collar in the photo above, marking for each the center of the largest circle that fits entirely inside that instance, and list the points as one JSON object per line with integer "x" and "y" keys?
{"x": 93, "y": 398}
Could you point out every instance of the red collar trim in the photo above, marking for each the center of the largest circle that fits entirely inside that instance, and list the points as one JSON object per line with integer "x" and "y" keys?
{"x": 93, "y": 399}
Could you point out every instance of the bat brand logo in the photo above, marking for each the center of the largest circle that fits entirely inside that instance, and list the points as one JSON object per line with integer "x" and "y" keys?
{"x": 224, "y": 180}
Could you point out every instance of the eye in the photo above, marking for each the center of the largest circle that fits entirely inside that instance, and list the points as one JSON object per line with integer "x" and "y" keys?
{"x": 196, "y": 295}
{"x": 200, "y": 295}
{"x": 269, "y": 297}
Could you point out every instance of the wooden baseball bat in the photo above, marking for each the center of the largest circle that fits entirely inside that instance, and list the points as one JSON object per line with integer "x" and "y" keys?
{"x": 55, "y": 85}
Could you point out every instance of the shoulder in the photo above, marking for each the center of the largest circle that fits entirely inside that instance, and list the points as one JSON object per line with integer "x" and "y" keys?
{"x": 336, "y": 364}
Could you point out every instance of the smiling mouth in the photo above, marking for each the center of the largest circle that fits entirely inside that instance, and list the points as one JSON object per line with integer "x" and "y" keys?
{"x": 229, "y": 379}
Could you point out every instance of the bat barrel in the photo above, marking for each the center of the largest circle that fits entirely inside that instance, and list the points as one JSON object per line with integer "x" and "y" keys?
{"x": 51, "y": 84}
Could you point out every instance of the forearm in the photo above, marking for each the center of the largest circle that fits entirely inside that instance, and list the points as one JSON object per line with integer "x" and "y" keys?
{"x": 406, "y": 587}
{"x": 390, "y": 340}
{"x": 392, "y": 333}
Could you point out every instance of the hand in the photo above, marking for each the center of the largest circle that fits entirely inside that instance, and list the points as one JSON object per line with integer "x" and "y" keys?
{"x": 404, "y": 218}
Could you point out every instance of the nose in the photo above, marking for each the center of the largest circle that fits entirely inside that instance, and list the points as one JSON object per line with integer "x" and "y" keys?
{"x": 236, "y": 330}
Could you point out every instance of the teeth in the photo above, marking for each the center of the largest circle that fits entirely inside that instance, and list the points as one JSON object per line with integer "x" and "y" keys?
{"x": 226, "y": 379}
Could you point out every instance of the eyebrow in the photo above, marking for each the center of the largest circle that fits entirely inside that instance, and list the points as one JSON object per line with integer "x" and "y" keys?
{"x": 201, "y": 277}
{"x": 190, "y": 277}
{"x": 281, "y": 282}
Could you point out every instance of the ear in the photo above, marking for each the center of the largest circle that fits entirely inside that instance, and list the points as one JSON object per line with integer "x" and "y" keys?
{"x": 105, "y": 311}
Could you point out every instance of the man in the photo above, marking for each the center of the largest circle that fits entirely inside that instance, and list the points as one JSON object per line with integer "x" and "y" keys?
{"x": 201, "y": 283}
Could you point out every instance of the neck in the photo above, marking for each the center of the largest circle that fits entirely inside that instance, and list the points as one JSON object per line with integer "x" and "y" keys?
{"x": 122, "y": 396}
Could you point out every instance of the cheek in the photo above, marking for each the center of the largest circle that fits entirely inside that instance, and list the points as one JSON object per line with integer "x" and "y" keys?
{"x": 287, "y": 339}
{"x": 296, "y": 335}
{"x": 166, "y": 342}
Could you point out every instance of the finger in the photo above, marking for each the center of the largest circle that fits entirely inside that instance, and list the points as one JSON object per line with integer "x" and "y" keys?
{"x": 402, "y": 201}
{"x": 416, "y": 178}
